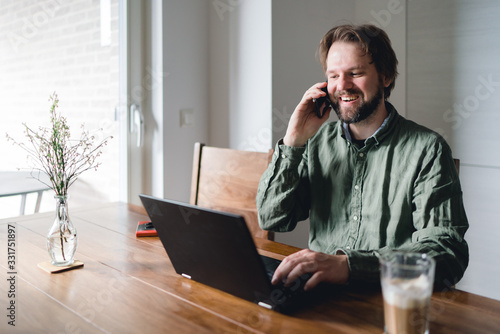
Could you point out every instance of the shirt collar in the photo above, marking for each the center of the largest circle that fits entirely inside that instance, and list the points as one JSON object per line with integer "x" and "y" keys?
{"x": 390, "y": 110}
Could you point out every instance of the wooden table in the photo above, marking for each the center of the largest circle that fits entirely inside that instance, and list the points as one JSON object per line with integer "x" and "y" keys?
{"x": 129, "y": 286}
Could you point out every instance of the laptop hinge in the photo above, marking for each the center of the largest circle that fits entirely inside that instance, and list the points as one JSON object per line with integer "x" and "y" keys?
{"x": 186, "y": 275}
{"x": 265, "y": 305}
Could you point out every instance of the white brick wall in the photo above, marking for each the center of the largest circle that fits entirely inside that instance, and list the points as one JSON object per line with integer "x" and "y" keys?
{"x": 54, "y": 45}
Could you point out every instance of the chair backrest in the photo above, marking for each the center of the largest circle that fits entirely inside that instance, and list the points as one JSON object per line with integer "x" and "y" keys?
{"x": 457, "y": 165}
{"x": 227, "y": 180}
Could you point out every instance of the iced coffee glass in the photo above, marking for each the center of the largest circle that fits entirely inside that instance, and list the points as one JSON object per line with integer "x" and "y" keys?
{"x": 407, "y": 280}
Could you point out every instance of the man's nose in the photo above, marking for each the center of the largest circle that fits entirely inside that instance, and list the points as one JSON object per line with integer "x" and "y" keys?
{"x": 344, "y": 83}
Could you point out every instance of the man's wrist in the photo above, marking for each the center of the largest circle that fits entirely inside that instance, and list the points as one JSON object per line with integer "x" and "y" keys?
{"x": 293, "y": 142}
{"x": 363, "y": 265}
{"x": 346, "y": 270}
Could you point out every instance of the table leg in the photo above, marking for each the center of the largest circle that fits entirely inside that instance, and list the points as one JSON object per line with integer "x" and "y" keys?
{"x": 38, "y": 201}
{"x": 23, "y": 204}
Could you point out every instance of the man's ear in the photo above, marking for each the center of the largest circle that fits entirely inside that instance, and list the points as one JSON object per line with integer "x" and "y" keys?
{"x": 386, "y": 81}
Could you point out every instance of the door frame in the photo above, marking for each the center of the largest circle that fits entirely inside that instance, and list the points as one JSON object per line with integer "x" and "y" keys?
{"x": 141, "y": 87}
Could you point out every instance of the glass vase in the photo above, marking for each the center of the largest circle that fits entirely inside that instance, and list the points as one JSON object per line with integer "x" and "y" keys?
{"x": 62, "y": 238}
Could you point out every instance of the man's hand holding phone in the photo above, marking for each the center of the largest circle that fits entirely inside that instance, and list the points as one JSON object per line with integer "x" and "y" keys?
{"x": 306, "y": 120}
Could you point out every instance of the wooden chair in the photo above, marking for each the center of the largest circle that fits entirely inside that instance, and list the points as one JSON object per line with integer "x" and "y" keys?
{"x": 227, "y": 180}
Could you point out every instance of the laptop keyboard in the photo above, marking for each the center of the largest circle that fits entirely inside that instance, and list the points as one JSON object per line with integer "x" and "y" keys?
{"x": 270, "y": 264}
{"x": 290, "y": 292}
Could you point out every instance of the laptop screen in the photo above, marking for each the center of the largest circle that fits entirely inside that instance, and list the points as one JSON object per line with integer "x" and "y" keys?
{"x": 211, "y": 247}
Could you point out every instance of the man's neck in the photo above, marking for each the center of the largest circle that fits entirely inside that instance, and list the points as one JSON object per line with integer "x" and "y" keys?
{"x": 367, "y": 127}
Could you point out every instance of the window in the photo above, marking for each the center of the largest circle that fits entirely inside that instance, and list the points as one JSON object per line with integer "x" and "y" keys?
{"x": 68, "y": 47}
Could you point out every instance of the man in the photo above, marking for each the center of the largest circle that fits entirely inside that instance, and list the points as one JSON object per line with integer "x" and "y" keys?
{"x": 370, "y": 183}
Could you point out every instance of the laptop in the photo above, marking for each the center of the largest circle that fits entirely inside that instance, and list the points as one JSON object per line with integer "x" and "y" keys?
{"x": 216, "y": 249}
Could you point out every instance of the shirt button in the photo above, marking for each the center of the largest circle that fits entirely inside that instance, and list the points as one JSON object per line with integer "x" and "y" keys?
{"x": 283, "y": 155}
{"x": 356, "y": 187}
{"x": 348, "y": 247}
{"x": 361, "y": 155}
{"x": 355, "y": 217}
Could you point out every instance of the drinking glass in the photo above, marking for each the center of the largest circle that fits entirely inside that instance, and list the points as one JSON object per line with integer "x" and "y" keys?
{"x": 407, "y": 280}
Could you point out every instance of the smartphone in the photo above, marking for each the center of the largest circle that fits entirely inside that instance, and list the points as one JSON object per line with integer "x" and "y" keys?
{"x": 324, "y": 102}
{"x": 145, "y": 229}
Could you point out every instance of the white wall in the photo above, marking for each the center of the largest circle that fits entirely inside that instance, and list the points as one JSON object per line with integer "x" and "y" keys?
{"x": 250, "y": 76}
{"x": 217, "y": 57}
{"x": 240, "y": 74}
{"x": 453, "y": 88}
{"x": 185, "y": 62}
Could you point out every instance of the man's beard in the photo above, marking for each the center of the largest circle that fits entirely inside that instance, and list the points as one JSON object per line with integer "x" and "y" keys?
{"x": 366, "y": 108}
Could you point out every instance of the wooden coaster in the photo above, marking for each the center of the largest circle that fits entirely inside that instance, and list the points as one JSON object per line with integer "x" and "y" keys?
{"x": 51, "y": 269}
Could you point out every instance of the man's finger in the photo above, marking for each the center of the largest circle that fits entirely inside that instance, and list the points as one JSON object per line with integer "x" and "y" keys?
{"x": 312, "y": 282}
{"x": 285, "y": 267}
{"x": 281, "y": 272}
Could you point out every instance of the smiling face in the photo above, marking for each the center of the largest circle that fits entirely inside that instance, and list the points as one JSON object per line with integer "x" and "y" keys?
{"x": 354, "y": 85}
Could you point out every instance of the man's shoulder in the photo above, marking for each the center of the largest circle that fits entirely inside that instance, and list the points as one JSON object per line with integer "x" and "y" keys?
{"x": 411, "y": 130}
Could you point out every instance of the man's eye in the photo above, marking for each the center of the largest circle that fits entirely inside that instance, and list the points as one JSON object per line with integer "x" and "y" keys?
{"x": 356, "y": 74}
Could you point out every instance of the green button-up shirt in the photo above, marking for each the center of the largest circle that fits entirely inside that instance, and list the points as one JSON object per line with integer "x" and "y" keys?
{"x": 400, "y": 191}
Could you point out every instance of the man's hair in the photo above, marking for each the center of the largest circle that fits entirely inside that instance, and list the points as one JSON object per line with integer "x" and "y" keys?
{"x": 372, "y": 40}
